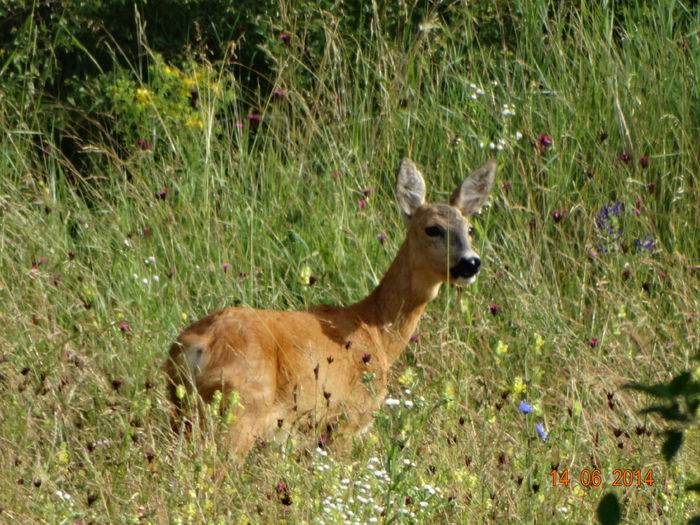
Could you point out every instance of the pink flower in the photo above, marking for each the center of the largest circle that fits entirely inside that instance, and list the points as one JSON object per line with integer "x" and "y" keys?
{"x": 414, "y": 338}
{"x": 225, "y": 266}
{"x": 545, "y": 141}
{"x": 593, "y": 342}
{"x": 124, "y": 326}
{"x": 281, "y": 487}
{"x": 362, "y": 203}
{"x": 286, "y": 38}
{"x": 381, "y": 237}
{"x": 494, "y": 308}
{"x": 644, "y": 161}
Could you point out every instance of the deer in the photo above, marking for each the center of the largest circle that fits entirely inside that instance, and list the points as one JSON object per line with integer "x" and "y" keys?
{"x": 294, "y": 371}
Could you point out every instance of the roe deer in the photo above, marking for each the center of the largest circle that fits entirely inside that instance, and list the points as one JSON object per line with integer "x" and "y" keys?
{"x": 297, "y": 369}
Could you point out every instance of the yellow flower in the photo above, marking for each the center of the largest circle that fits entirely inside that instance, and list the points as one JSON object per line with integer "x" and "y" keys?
{"x": 449, "y": 393}
{"x": 408, "y": 377}
{"x": 194, "y": 123}
{"x": 183, "y": 315}
{"x": 577, "y": 408}
{"x": 305, "y": 274}
{"x": 143, "y": 96}
{"x": 501, "y": 347}
{"x": 539, "y": 343}
{"x": 62, "y": 456}
{"x": 180, "y": 391}
{"x": 519, "y": 386}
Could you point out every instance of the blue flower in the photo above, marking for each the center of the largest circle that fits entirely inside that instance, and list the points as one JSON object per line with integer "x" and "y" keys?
{"x": 541, "y": 431}
{"x": 525, "y": 407}
{"x": 647, "y": 243}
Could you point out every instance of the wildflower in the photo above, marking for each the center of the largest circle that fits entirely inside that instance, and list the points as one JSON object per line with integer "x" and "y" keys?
{"x": 62, "y": 495}
{"x": 624, "y": 157}
{"x": 143, "y": 144}
{"x": 116, "y": 383}
{"x": 644, "y": 161}
{"x": 558, "y": 215}
{"x": 361, "y": 203}
{"x": 525, "y": 407}
{"x": 593, "y": 342}
{"x": 518, "y": 135}
{"x": 381, "y": 237}
{"x": 391, "y": 402}
{"x": 194, "y": 123}
{"x": 162, "y": 194}
{"x": 286, "y": 38}
{"x": 539, "y": 343}
{"x": 335, "y": 173}
{"x": 366, "y": 192}
{"x": 225, "y": 266}
{"x": 277, "y": 93}
{"x": 239, "y": 124}
{"x": 646, "y": 244}
{"x": 608, "y": 222}
{"x": 408, "y": 377}
{"x": 539, "y": 427}
{"x": 143, "y": 96}
{"x": 545, "y": 141}
{"x": 494, "y": 308}
{"x": 38, "y": 262}
{"x": 305, "y": 274}
{"x": 508, "y": 110}
{"x": 519, "y": 386}
{"x": 501, "y": 347}
{"x": 180, "y": 391}
{"x": 124, "y": 326}
{"x": 155, "y": 279}
{"x": 414, "y": 338}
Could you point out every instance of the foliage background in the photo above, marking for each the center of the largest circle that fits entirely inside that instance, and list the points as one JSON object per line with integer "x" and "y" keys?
{"x": 163, "y": 159}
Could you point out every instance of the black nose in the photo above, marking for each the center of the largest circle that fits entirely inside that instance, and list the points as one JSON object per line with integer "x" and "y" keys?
{"x": 466, "y": 267}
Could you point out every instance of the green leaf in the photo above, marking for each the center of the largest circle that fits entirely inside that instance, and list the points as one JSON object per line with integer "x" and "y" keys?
{"x": 609, "y": 512}
{"x": 672, "y": 444}
{"x": 695, "y": 487}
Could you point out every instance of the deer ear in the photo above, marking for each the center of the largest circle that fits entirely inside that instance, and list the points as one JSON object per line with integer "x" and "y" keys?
{"x": 410, "y": 187}
{"x": 471, "y": 195}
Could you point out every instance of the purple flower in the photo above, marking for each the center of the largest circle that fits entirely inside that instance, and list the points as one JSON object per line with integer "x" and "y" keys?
{"x": 335, "y": 173}
{"x": 367, "y": 191}
{"x": 593, "y": 342}
{"x": 362, "y": 203}
{"x": 239, "y": 124}
{"x": 286, "y": 38}
{"x": 414, "y": 338}
{"x": 281, "y": 487}
{"x": 608, "y": 222}
{"x": 624, "y": 157}
{"x": 381, "y": 237}
{"x": 545, "y": 141}
{"x": 541, "y": 431}
{"x": 124, "y": 326}
{"x": 644, "y": 161}
{"x": 646, "y": 244}
{"x": 558, "y": 215}
{"x": 494, "y": 308}
{"x": 162, "y": 194}
{"x": 225, "y": 266}
{"x": 143, "y": 144}
{"x": 278, "y": 92}
{"x": 525, "y": 407}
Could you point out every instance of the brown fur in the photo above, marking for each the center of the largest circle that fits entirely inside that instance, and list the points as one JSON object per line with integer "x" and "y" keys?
{"x": 298, "y": 368}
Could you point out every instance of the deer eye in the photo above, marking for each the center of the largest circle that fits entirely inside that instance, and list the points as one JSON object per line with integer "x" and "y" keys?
{"x": 434, "y": 231}
{"x": 470, "y": 230}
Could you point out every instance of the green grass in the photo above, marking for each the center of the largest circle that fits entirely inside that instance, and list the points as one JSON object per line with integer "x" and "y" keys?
{"x": 84, "y": 426}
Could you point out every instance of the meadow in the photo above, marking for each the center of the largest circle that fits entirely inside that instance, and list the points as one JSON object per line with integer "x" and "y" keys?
{"x": 168, "y": 185}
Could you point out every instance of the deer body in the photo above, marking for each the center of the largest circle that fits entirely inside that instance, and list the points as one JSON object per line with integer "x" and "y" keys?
{"x": 296, "y": 370}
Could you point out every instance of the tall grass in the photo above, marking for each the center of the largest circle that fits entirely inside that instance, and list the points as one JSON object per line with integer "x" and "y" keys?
{"x": 103, "y": 263}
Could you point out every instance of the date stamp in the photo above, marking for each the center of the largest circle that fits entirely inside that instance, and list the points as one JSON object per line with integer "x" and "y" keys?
{"x": 595, "y": 478}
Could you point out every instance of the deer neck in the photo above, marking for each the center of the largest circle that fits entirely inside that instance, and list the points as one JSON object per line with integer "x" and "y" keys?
{"x": 395, "y": 306}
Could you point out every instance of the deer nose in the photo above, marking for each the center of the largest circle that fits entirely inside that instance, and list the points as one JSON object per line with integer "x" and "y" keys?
{"x": 466, "y": 267}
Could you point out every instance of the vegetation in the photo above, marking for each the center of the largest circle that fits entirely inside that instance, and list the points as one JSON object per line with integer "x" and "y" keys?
{"x": 155, "y": 169}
